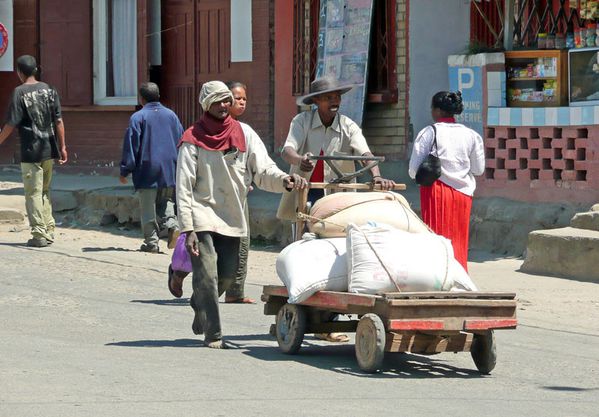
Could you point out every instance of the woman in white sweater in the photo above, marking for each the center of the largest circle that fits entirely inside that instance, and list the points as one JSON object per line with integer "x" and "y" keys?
{"x": 446, "y": 204}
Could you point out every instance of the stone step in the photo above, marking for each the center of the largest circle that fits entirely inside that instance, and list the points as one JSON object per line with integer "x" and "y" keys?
{"x": 588, "y": 220}
{"x": 567, "y": 252}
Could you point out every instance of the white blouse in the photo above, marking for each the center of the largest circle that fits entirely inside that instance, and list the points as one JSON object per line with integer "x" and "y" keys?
{"x": 460, "y": 150}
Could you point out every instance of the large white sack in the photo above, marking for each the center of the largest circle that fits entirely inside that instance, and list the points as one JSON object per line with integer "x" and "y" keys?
{"x": 308, "y": 266}
{"x": 382, "y": 259}
{"x": 340, "y": 209}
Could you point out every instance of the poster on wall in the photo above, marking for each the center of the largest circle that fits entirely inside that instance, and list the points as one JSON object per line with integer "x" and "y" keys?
{"x": 6, "y": 35}
{"x": 343, "y": 45}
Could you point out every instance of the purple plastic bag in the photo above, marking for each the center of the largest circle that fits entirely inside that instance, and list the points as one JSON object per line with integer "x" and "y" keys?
{"x": 181, "y": 260}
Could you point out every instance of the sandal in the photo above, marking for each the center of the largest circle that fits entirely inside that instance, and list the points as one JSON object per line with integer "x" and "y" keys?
{"x": 176, "y": 292}
{"x": 332, "y": 337}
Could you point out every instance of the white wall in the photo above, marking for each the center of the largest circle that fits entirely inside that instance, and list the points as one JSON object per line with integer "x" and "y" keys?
{"x": 438, "y": 28}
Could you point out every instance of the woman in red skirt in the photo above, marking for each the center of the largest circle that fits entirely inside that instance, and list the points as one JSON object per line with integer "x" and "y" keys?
{"x": 446, "y": 204}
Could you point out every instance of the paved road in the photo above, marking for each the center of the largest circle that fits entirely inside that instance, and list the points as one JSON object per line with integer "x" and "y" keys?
{"x": 89, "y": 329}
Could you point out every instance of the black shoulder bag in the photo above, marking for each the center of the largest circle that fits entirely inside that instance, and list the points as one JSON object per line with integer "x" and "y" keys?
{"x": 430, "y": 169}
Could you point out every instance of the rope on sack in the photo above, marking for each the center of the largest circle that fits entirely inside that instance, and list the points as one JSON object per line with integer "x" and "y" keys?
{"x": 303, "y": 216}
{"x": 378, "y": 257}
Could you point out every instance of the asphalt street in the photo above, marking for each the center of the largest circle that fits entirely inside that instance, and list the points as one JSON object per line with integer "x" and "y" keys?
{"x": 90, "y": 329}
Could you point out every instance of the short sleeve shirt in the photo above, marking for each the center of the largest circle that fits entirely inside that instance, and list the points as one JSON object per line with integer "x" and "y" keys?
{"x": 34, "y": 109}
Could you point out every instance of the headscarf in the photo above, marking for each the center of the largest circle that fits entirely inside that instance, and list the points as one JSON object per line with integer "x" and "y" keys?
{"x": 213, "y": 92}
{"x": 211, "y": 133}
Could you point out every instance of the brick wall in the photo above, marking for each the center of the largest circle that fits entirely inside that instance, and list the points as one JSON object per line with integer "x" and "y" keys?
{"x": 550, "y": 164}
{"x": 386, "y": 126}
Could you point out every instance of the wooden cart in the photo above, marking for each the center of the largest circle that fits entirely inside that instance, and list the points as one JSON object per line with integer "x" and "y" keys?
{"x": 422, "y": 322}
{"x": 416, "y": 322}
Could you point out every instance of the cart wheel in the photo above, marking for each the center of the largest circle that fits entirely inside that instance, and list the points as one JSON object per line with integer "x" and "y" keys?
{"x": 291, "y": 326}
{"x": 370, "y": 343}
{"x": 483, "y": 352}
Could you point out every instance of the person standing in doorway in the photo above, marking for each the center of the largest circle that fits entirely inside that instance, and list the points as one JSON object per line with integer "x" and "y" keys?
{"x": 446, "y": 204}
{"x": 35, "y": 110}
{"x": 150, "y": 155}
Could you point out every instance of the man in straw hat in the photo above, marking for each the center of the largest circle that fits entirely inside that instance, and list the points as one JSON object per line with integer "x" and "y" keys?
{"x": 218, "y": 160}
{"x": 323, "y": 131}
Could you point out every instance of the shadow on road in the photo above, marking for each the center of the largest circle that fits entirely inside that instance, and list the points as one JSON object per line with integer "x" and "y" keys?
{"x": 109, "y": 249}
{"x": 341, "y": 359}
{"x": 12, "y": 191}
{"x": 170, "y": 302}
{"x": 179, "y": 343}
{"x": 568, "y": 389}
{"x": 336, "y": 358}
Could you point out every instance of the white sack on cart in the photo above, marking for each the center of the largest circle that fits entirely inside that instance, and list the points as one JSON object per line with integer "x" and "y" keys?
{"x": 308, "y": 266}
{"x": 383, "y": 259}
{"x": 340, "y": 209}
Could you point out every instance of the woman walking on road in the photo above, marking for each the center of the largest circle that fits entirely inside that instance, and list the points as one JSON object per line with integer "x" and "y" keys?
{"x": 447, "y": 203}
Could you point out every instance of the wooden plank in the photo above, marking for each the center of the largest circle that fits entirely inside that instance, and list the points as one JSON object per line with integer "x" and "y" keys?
{"x": 450, "y": 295}
{"x": 352, "y": 186}
{"x": 415, "y": 325}
{"x": 421, "y": 343}
{"x": 276, "y": 290}
{"x": 335, "y": 301}
{"x": 326, "y": 299}
{"x": 451, "y": 303}
{"x": 487, "y": 324}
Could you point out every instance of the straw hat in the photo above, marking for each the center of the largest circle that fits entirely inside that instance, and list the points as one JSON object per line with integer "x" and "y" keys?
{"x": 322, "y": 85}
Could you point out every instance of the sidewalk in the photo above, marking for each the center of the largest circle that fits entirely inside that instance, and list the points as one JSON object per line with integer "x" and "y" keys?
{"x": 498, "y": 225}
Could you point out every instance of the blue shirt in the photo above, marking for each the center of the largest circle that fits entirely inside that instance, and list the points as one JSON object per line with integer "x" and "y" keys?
{"x": 150, "y": 147}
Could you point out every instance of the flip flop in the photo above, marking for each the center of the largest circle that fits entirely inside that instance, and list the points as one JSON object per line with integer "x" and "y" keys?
{"x": 242, "y": 300}
{"x": 332, "y": 337}
{"x": 179, "y": 292}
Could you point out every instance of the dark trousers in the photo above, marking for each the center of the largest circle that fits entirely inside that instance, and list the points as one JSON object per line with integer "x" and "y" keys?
{"x": 213, "y": 272}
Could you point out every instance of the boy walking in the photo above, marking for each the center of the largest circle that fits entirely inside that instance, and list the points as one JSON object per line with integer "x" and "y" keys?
{"x": 35, "y": 111}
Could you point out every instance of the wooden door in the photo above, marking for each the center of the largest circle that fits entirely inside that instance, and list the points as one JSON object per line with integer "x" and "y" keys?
{"x": 213, "y": 22}
{"x": 65, "y": 49}
{"x": 178, "y": 87}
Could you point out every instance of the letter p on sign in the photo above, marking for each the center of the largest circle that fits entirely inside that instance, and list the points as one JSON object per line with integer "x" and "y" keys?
{"x": 465, "y": 78}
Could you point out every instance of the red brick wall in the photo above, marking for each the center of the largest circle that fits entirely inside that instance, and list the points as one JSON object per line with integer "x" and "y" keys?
{"x": 95, "y": 138}
{"x": 549, "y": 164}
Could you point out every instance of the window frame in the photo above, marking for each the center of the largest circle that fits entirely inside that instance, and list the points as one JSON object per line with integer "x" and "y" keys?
{"x": 100, "y": 52}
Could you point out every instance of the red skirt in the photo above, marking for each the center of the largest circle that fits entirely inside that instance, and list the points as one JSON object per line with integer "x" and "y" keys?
{"x": 447, "y": 212}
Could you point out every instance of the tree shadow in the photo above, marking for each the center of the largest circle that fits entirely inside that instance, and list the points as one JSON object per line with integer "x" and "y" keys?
{"x": 171, "y": 302}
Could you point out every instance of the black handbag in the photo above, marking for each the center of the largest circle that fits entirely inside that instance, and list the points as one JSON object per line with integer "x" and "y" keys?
{"x": 429, "y": 170}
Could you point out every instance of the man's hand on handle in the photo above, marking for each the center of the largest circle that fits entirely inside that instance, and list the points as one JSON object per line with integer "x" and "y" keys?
{"x": 306, "y": 164}
{"x": 386, "y": 185}
{"x": 295, "y": 182}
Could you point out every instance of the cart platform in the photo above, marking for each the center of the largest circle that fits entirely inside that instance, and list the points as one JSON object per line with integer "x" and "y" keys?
{"x": 416, "y": 322}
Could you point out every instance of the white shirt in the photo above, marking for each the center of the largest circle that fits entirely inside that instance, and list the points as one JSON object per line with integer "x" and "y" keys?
{"x": 308, "y": 134}
{"x": 212, "y": 186}
{"x": 460, "y": 150}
